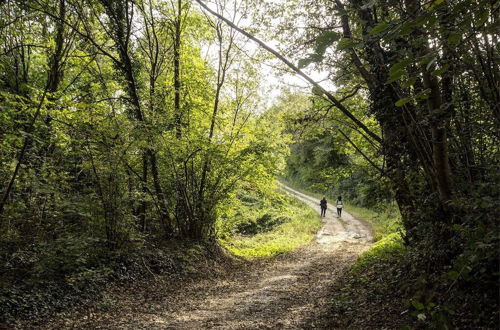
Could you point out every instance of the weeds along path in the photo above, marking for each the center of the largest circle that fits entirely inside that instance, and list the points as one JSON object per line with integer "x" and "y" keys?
{"x": 291, "y": 291}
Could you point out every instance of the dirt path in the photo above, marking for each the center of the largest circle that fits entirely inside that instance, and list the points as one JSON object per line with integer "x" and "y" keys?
{"x": 287, "y": 292}
{"x": 346, "y": 229}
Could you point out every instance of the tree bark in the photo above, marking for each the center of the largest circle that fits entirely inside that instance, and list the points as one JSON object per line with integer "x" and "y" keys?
{"x": 177, "y": 71}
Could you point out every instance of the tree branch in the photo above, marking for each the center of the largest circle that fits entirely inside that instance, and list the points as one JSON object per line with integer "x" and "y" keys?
{"x": 330, "y": 97}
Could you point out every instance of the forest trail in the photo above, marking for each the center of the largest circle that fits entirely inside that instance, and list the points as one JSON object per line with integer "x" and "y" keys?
{"x": 346, "y": 229}
{"x": 291, "y": 291}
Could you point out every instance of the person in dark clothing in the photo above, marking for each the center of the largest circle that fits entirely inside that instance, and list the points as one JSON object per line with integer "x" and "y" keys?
{"x": 339, "y": 206}
{"x": 323, "y": 205}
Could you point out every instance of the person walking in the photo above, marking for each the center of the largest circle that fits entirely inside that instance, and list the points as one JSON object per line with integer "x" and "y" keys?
{"x": 323, "y": 203}
{"x": 339, "y": 206}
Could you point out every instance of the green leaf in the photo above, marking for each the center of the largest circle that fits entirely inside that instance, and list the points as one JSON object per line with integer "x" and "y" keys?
{"x": 399, "y": 66}
{"x": 405, "y": 29}
{"x": 317, "y": 91}
{"x": 402, "y": 101}
{"x": 325, "y": 40}
{"x": 407, "y": 83}
{"x": 311, "y": 58}
{"x": 381, "y": 27}
{"x": 420, "y": 21}
{"x": 423, "y": 95}
{"x": 433, "y": 4}
{"x": 453, "y": 275}
{"x": 454, "y": 38}
{"x": 303, "y": 63}
{"x": 395, "y": 76}
{"x": 346, "y": 43}
{"x": 440, "y": 71}
{"x": 418, "y": 305}
{"x": 482, "y": 18}
{"x": 425, "y": 59}
{"x": 433, "y": 20}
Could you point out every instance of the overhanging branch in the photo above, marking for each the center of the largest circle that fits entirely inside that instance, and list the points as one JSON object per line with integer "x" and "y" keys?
{"x": 328, "y": 95}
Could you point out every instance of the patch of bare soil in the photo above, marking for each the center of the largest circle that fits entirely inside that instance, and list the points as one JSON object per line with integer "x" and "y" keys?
{"x": 292, "y": 291}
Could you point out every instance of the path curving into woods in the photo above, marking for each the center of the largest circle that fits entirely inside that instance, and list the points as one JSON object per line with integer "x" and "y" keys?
{"x": 287, "y": 292}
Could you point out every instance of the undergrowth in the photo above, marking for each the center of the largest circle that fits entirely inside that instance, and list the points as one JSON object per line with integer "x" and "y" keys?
{"x": 416, "y": 287}
{"x": 288, "y": 225}
{"x": 54, "y": 278}
{"x": 398, "y": 288}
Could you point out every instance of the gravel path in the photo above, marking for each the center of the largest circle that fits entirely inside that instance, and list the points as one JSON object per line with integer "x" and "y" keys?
{"x": 287, "y": 292}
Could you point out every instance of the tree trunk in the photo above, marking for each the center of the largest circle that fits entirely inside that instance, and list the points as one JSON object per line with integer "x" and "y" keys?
{"x": 54, "y": 77}
{"x": 121, "y": 21}
{"x": 177, "y": 72}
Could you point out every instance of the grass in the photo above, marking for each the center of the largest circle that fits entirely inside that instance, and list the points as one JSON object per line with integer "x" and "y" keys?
{"x": 298, "y": 231}
{"x": 389, "y": 247}
{"x": 384, "y": 223}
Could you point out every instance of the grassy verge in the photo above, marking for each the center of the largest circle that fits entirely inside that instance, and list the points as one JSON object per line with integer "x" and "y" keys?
{"x": 386, "y": 249}
{"x": 384, "y": 223}
{"x": 299, "y": 230}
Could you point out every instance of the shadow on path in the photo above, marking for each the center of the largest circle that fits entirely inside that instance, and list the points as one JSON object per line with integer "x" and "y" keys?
{"x": 285, "y": 292}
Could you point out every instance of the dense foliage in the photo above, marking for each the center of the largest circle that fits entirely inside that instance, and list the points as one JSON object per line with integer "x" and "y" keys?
{"x": 123, "y": 124}
{"x": 129, "y": 124}
{"x": 418, "y": 100}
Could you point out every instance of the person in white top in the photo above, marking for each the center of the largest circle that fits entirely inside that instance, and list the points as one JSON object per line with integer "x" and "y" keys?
{"x": 339, "y": 206}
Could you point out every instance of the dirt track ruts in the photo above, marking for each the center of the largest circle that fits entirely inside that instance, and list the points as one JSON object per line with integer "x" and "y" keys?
{"x": 292, "y": 291}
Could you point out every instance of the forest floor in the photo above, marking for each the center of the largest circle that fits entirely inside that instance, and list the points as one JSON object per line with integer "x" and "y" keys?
{"x": 291, "y": 291}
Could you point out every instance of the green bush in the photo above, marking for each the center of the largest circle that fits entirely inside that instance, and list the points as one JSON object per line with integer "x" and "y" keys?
{"x": 280, "y": 224}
